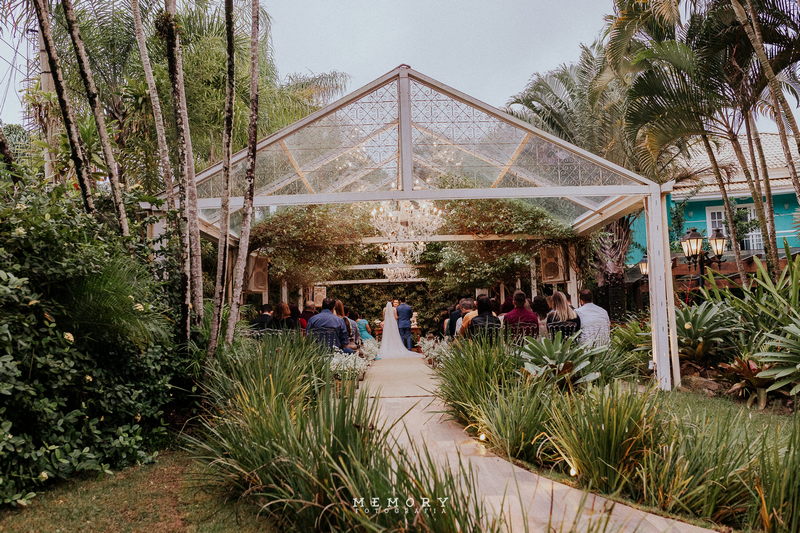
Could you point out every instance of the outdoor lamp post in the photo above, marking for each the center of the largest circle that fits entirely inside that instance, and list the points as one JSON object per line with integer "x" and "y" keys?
{"x": 644, "y": 268}
{"x": 692, "y": 244}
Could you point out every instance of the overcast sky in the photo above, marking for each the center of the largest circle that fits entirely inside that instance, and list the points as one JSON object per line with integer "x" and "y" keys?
{"x": 486, "y": 48}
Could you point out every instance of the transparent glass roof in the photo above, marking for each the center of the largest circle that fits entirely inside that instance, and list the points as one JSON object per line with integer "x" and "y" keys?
{"x": 356, "y": 146}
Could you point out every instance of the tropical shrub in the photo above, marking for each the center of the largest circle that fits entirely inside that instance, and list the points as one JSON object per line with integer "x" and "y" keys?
{"x": 603, "y": 433}
{"x": 703, "y": 331}
{"x": 568, "y": 362}
{"x": 278, "y": 435}
{"x": 634, "y": 337}
{"x": 782, "y": 353}
{"x": 86, "y": 355}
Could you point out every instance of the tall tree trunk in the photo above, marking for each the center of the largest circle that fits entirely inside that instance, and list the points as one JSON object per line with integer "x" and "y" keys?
{"x": 247, "y": 209}
{"x": 87, "y": 77}
{"x": 758, "y": 203}
{"x": 227, "y": 131}
{"x": 186, "y": 157}
{"x": 729, "y": 218}
{"x": 8, "y": 158}
{"x": 760, "y": 172}
{"x": 155, "y": 103}
{"x": 76, "y": 150}
{"x": 779, "y": 103}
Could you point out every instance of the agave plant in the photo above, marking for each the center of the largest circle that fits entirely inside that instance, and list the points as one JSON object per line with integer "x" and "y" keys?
{"x": 783, "y": 354}
{"x": 562, "y": 359}
{"x": 703, "y": 330}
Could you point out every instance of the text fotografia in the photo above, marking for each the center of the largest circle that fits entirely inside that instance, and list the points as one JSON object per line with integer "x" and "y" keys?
{"x": 400, "y": 505}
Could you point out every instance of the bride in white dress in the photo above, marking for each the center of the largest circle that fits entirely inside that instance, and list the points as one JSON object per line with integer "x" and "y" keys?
{"x": 391, "y": 343}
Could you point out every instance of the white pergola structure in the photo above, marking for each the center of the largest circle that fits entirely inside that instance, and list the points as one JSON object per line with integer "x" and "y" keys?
{"x": 406, "y": 136}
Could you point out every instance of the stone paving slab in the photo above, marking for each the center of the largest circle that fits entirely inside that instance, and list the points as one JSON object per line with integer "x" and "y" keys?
{"x": 407, "y": 385}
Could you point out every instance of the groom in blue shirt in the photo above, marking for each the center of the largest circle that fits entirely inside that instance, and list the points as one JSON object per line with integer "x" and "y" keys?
{"x": 404, "y": 313}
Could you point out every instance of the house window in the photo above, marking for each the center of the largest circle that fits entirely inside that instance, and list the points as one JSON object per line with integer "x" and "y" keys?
{"x": 715, "y": 218}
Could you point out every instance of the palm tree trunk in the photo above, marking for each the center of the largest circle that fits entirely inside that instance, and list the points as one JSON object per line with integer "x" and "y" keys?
{"x": 760, "y": 172}
{"x": 769, "y": 247}
{"x": 779, "y": 103}
{"x": 186, "y": 158}
{"x": 8, "y": 158}
{"x": 155, "y": 103}
{"x": 87, "y": 77}
{"x": 76, "y": 150}
{"x": 247, "y": 214}
{"x": 227, "y": 131}
{"x": 729, "y": 218}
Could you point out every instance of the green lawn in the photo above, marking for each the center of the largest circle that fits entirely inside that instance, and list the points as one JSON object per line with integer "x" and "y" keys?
{"x": 691, "y": 404}
{"x": 153, "y": 498}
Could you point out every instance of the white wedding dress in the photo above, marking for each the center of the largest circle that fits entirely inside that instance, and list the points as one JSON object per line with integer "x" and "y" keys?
{"x": 391, "y": 343}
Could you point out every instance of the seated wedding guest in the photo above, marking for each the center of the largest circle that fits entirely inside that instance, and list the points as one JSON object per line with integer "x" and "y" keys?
{"x": 484, "y": 322}
{"x": 563, "y": 317}
{"x": 352, "y": 328}
{"x": 507, "y": 306}
{"x": 455, "y": 316}
{"x": 444, "y": 321}
{"x": 520, "y": 315}
{"x": 326, "y": 320}
{"x": 468, "y": 311}
{"x": 309, "y": 310}
{"x": 296, "y": 316}
{"x": 495, "y": 305}
{"x": 363, "y": 326}
{"x": 540, "y": 307}
{"x": 595, "y": 323}
{"x": 264, "y": 319}
{"x": 282, "y": 317}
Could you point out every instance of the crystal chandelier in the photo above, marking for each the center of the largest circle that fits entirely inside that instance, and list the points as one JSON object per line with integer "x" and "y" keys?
{"x": 402, "y": 223}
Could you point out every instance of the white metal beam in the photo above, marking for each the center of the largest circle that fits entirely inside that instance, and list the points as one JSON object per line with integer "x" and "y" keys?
{"x": 406, "y": 147}
{"x": 451, "y": 238}
{"x": 371, "y": 281}
{"x": 236, "y": 202}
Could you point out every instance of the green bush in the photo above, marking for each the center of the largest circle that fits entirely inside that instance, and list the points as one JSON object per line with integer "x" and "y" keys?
{"x": 86, "y": 357}
{"x": 703, "y": 332}
{"x": 473, "y": 372}
{"x": 279, "y": 435}
{"x": 782, "y": 353}
{"x": 700, "y": 469}
{"x": 603, "y": 433}
{"x": 777, "y": 483}
{"x": 567, "y": 362}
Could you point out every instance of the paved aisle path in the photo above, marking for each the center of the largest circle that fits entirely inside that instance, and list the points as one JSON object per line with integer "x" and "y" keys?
{"x": 405, "y": 384}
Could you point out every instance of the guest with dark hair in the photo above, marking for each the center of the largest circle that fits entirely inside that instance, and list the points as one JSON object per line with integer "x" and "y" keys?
{"x": 364, "y": 330}
{"x": 282, "y": 317}
{"x": 540, "y": 307}
{"x": 325, "y": 319}
{"x": 352, "y": 329}
{"x": 264, "y": 319}
{"x": 455, "y": 316}
{"x": 507, "y": 306}
{"x": 484, "y": 322}
{"x": 520, "y": 317}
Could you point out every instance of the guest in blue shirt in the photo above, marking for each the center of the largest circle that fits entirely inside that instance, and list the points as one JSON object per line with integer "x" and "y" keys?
{"x": 326, "y": 319}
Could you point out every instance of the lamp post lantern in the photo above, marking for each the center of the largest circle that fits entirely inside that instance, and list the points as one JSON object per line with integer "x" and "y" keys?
{"x": 692, "y": 244}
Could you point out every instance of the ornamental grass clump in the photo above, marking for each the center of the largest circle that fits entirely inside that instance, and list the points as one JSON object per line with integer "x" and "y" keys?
{"x": 473, "y": 371}
{"x": 603, "y": 433}
{"x": 312, "y": 456}
{"x": 700, "y": 469}
{"x": 514, "y": 418}
{"x": 777, "y": 483}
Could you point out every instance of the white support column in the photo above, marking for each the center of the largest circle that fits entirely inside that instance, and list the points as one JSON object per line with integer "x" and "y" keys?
{"x": 534, "y": 284}
{"x": 284, "y": 291}
{"x": 670, "y": 288}
{"x": 502, "y": 293}
{"x": 406, "y": 166}
{"x": 572, "y": 283}
{"x": 659, "y": 298}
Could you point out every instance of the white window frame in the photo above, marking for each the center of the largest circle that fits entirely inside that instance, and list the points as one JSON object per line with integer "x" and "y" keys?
{"x": 752, "y": 241}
